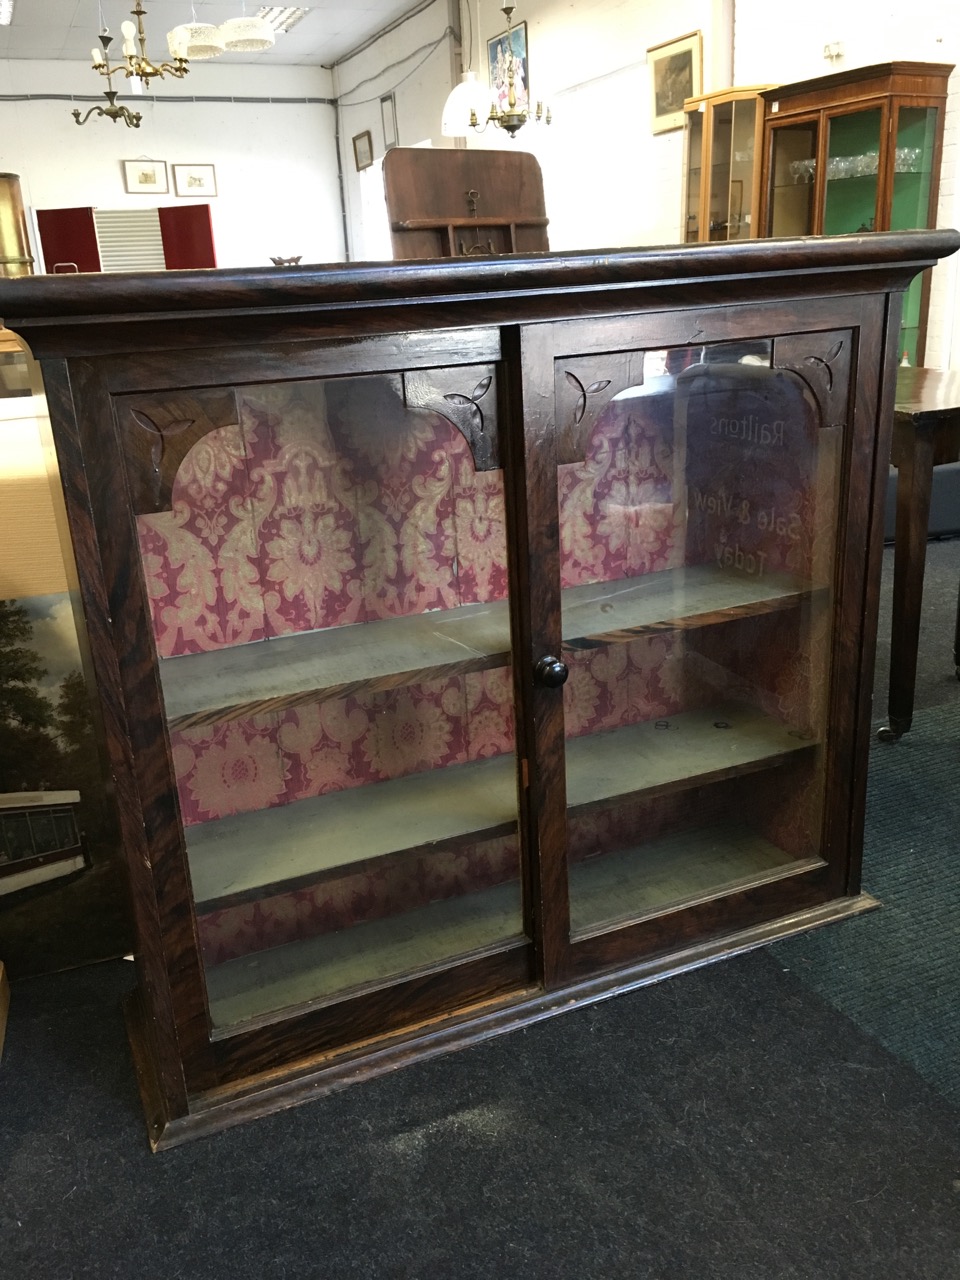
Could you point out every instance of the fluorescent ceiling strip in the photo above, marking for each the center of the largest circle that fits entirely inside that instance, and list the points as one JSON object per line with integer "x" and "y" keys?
{"x": 6, "y": 12}
{"x": 280, "y": 18}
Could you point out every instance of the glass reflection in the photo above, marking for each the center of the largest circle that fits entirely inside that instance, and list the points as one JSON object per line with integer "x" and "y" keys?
{"x": 329, "y": 598}
{"x": 694, "y": 532}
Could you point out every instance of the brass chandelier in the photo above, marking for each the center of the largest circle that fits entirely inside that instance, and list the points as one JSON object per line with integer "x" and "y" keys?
{"x": 510, "y": 117}
{"x": 135, "y": 66}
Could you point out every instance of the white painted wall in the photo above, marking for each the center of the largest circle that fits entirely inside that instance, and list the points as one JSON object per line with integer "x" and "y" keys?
{"x": 416, "y": 61}
{"x": 608, "y": 181}
{"x": 276, "y": 164}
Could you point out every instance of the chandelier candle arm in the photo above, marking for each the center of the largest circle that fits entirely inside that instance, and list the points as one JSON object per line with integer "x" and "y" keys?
{"x": 137, "y": 64}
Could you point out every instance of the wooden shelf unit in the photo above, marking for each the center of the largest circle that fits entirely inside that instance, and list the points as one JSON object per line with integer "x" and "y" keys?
{"x": 240, "y": 857}
{"x": 642, "y": 744}
{"x": 310, "y": 666}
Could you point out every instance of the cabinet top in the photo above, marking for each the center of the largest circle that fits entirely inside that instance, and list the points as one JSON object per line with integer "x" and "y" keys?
{"x": 881, "y": 77}
{"x": 65, "y": 312}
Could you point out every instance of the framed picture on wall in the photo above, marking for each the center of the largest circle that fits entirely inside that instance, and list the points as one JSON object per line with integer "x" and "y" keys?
{"x": 498, "y": 62}
{"x": 363, "y": 150}
{"x": 388, "y": 113}
{"x": 145, "y": 177}
{"x": 194, "y": 180}
{"x": 676, "y": 73}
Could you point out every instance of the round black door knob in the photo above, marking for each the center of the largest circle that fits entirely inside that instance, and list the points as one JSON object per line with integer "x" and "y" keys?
{"x": 551, "y": 672}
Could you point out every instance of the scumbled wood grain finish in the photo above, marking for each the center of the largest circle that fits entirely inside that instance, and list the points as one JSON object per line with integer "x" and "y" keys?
{"x": 175, "y": 350}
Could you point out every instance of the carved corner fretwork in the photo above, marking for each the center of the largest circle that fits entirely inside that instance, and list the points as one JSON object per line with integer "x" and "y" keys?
{"x": 465, "y": 396}
{"x": 583, "y": 391}
{"x": 822, "y": 360}
{"x": 159, "y": 431}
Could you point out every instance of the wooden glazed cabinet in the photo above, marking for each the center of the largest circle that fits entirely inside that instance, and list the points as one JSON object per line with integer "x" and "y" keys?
{"x": 722, "y": 147}
{"x": 858, "y": 151}
{"x": 474, "y": 639}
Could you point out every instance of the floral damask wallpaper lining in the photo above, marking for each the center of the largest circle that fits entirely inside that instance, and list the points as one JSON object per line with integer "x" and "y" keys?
{"x": 329, "y": 509}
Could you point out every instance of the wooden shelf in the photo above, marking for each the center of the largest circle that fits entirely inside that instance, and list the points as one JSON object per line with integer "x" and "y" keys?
{"x": 271, "y": 675}
{"x": 666, "y": 874}
{"x": 251, "y": 855}
{"x": 695, "y": 596}
{"x": 674, "y": 871}
{"x": 367, "y": 956}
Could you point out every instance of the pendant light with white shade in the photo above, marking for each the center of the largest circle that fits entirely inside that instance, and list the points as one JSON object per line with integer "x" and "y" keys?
{"x": 195, "y": 41}
{"x": 469, "y": 97}
{"x": 246, "y": 35}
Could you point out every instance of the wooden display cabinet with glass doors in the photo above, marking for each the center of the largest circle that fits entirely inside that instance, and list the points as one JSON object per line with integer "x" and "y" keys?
{"x": 721, "y": 164}
{"x": 854, "y": 152}
{"x": 474, "y": 639}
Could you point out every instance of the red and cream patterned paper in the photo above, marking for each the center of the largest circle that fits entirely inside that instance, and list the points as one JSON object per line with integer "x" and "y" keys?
{"x": 322, "y": 510}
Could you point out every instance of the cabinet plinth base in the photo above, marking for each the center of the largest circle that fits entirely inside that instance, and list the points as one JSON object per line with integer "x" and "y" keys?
{"x": 249, "y": 1099}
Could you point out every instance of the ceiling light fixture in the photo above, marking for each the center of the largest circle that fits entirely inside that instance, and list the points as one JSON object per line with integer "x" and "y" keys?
{"x": 136, "y": 67}
{"x": 195, "y": 41}
{"x": 281, "y": 19}
{"x": 246, "y": 35}
{"x": 6, "y": 12}
{"x": 469, "y": 98}
{"x": 509, "y": 113}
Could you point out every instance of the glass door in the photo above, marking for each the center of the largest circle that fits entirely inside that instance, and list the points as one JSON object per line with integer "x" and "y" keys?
{"x": 697, "y": 541}
{"x": 721, "y": 156}
{"x": 853, "y": 172}
{"x": 913, "y": 161}
{"x": 328, "y": 580}
{"x": 742, "y": 147}
{"x": 792, "y": 205}
{"x": 694, "y": 172}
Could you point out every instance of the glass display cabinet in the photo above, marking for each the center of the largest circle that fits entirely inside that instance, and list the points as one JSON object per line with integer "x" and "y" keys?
{"x": 853, "y": 152}
{"x": 475, "y": 639}
{"x": 723, "y": 132}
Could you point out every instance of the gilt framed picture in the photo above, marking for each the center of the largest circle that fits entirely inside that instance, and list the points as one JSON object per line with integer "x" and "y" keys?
{"x": 676, "y": 73}
{"x": 363, "y": 150}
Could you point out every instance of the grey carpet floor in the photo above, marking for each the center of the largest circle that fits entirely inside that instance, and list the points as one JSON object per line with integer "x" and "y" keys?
{"x": 896, "y": 972}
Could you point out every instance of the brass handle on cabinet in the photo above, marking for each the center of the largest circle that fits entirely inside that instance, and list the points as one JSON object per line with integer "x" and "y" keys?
{"x": 551, "y": 672}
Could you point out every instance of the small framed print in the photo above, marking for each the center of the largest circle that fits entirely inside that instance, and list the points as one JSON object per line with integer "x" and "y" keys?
{"x": 676, "y": 73}
{"x": 388, "y": 114}
{"x": 363, "y": 150}
{"x": 194, "y": 180}
{"x": 145, "y": 177}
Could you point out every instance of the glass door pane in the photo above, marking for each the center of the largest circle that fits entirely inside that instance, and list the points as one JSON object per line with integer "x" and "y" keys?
{"x": 329, "y": 595}
{"x": 793, "y": 180}
{"x": 740, "y": 212}
{"x": 694, "y": 175}
{"x": 720, "y": 158}
{"x": 910, "y": 207}
{"x": 697, "y": 542}
{"x": 853, "y": 165}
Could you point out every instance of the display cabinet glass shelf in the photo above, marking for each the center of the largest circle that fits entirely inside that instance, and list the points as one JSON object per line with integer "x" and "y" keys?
{"x": 474, "y": 640}
{"x": 723, "y": 132}
{"x": 854, "y": 152}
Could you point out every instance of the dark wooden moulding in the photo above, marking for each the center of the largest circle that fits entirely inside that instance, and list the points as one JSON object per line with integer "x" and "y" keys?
{"x": 171, "y": 347}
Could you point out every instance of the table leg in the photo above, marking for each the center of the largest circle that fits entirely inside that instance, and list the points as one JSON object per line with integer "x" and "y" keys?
{"x": 914, "y": 483}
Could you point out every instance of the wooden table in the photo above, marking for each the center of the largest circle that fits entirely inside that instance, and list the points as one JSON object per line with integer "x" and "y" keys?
{"x": 926, "y": 434}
